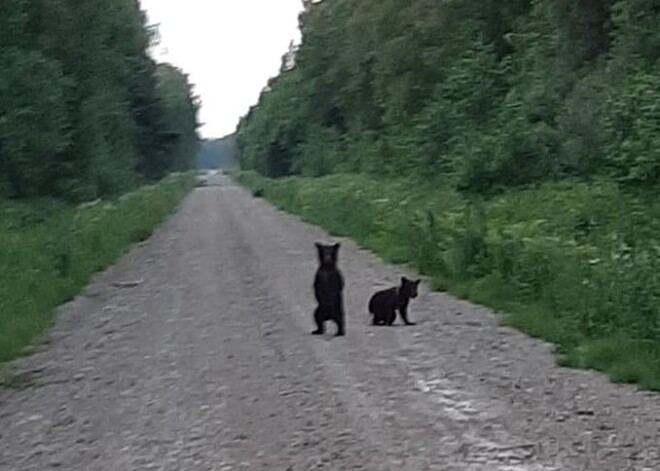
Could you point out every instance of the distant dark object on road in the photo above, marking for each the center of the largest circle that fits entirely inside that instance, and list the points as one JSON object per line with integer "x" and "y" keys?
{"x": 258, "y": 193}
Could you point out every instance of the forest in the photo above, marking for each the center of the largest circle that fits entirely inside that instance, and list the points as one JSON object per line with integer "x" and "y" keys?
{"x": 85, "y": 111}
{"x": 509, "y": 151}
{"x": 96, "y": 139}
{"x": 477, "y": 94}
{"x": 217, "y": 153}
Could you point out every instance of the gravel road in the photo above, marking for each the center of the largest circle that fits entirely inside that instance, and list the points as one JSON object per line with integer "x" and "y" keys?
{"x": 194, "y": 353}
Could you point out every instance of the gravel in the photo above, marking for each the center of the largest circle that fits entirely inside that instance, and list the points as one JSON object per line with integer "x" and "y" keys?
{"x": 194, "y": 353}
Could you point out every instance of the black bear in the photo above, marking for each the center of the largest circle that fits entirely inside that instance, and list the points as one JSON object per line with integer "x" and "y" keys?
{"x": 328, "y": 289}
{"x": 384, "y": 304}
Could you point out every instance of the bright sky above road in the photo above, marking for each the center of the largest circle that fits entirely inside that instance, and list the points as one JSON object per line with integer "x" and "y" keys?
{"x": 229, "y": 48}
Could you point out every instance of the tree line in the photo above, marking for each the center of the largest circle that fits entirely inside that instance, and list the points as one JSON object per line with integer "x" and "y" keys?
{"x": 477, "y": 94}
{"x": 85, "y": 112}
{"x": 217, "y": 153}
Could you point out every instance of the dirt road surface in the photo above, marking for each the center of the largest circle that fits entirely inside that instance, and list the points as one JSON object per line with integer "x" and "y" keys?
{"x": 194, "y": 353}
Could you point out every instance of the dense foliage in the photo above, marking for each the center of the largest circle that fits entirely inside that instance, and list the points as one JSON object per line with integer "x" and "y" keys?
{"x": 217, "y": 153}
{"x": 84, "y": 111}
{"x": 480, "y": 94}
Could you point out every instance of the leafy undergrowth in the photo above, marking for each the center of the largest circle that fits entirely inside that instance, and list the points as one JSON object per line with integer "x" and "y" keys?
{"x": 575, "y": 264}
{"x": 49, "y": 251}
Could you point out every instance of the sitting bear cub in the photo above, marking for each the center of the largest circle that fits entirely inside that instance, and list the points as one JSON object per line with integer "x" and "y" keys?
{"x": 328, "y": 289}
{"x": 384, "y": 304}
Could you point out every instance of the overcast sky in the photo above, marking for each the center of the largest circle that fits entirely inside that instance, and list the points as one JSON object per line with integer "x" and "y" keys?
{"x": 229, "y": 48}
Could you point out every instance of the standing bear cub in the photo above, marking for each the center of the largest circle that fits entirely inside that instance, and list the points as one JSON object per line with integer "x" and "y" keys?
{"x": 328, "y": 289}
{"x": 384, "y": 304}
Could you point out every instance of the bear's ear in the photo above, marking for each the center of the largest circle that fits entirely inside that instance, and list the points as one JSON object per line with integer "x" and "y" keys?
{"x": 317, "y": 245}
{"x": 337, "y": 245}
{"x": 418, "y": 281}
{"x": 404, "y": 280}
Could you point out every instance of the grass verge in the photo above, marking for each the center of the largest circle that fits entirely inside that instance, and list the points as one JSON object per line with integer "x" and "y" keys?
{"x": 49, "y": 251}
{"x": 575, "y": 264}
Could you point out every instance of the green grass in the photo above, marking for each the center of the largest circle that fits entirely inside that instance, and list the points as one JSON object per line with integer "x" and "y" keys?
{"x": 575, "y": 264}
{"x": 49, "y": 251}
